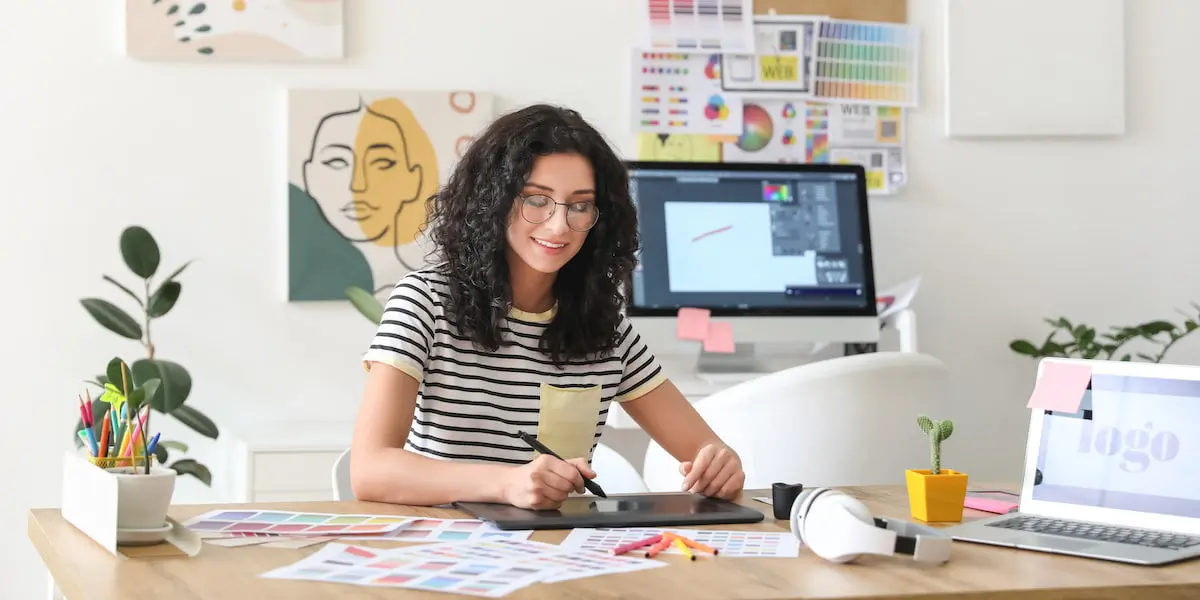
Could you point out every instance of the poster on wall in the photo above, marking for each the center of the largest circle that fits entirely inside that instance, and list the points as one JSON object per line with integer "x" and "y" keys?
{"x": 798, "y": 131}
{"x": 234, "y": 30}
{"x": 361, "y": 167}
{"x": 781, "y": 62}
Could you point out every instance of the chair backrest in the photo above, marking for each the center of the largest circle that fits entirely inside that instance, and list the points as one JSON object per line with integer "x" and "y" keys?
{"x": 616, "y": 474}
{"x": 341, "y": 477}
{"x": 843, "y": 421}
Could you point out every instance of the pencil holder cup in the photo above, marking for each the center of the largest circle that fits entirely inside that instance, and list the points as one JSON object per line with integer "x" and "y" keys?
{"x": 143, "y": 499}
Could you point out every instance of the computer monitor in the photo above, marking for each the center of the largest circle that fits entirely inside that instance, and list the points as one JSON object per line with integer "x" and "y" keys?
{"x": 781, "y": 251}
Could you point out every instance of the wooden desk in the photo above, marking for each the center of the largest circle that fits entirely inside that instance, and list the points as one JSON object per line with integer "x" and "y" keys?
{"x": 975, "y": 572}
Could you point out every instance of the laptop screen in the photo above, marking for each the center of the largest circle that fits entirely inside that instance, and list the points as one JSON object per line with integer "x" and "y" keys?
{"x": 1133, "y": 445}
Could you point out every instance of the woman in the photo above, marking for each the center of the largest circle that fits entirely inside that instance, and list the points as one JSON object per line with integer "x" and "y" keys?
{"x": 520, "y": 330}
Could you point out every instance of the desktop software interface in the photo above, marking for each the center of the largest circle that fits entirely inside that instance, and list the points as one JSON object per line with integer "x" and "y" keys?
{"x": 767, "y": 240}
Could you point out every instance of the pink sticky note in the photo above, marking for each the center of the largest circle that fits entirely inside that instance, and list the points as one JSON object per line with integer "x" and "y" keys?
{"x": 1061, "y": 387}
{"x": 999, "y": 507}
{"x": 720, "y": 337}
{"x": 693, "y": 324}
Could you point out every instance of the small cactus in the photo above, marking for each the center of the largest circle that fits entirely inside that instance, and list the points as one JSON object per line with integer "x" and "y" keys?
{"x": 938, "y": 432}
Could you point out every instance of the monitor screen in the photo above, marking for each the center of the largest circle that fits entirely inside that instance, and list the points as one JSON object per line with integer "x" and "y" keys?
{"x": 1129, "y": 447}
{"x": 738, "y": 238}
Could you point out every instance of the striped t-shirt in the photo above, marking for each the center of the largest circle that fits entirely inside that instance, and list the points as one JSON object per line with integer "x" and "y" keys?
{"x": 472, "y": 403}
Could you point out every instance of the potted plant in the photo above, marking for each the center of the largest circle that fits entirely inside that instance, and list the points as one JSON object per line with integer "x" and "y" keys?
{"x": 1079, "y": 340}
{"x": 141, "y": 254}
{"x": 936, "y": 494}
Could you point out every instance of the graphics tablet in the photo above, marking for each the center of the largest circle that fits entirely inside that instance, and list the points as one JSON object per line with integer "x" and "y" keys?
{"x": 634, "y": 510}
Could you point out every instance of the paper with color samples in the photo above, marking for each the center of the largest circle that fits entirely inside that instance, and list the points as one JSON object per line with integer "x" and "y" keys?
{"x": 680, "y": 93}
{"x": 1060, "y": 387}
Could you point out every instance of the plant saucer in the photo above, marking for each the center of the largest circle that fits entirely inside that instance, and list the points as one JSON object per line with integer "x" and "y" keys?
{"x": 143, "y": 537}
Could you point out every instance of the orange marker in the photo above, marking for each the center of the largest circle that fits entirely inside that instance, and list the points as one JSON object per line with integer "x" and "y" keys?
{"x": 698, "y": 545}
{"x": 659, "y": 547}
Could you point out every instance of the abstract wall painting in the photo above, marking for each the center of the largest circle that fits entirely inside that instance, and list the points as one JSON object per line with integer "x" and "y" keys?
{"x": 234, "y": 30}
{"x": 361, "y": 168}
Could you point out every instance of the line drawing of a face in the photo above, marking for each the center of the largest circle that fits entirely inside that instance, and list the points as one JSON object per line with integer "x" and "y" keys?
{"x": 368, "y": 168}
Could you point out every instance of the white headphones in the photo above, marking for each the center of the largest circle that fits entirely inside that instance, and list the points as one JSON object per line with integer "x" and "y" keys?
{"x": 839, "y": 528}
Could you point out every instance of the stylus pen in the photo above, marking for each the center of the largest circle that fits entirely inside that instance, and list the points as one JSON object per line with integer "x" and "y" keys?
{"x": 540, "y": 447}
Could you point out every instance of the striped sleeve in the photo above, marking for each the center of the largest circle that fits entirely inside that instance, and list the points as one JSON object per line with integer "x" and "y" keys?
{"x": 405, "y": 333}
{"x": 641, "y": 372}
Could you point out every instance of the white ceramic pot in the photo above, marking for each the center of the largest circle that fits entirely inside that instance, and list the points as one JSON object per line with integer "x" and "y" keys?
{"x": 143, "y": 500}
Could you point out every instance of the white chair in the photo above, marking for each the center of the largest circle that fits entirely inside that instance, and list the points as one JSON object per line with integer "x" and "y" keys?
{"x": 844, "y": 421}
{"x": 615, "y": 474}
{"x": 341, "y": 477}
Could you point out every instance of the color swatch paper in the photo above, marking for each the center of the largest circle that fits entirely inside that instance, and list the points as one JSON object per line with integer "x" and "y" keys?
{"x": 866, "y": 62}
{"x": 418, "y": 529}
{"x": 567, "y": 563}
{"x": 679, "y": 93}
{"x": 731, "y": 544}
{"x": 340, "y": 563}
{"x": 293, "y": 523}
{"x": 1060, "y": 387}
{"x": 712, "y": 25}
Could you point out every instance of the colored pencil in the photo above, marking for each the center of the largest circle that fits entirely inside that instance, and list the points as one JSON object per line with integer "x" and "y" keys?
{"x": 105, "y": 432}
{"x": 622, "y": 549}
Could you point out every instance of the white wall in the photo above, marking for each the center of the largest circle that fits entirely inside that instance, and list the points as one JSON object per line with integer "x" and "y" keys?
{"x": 1003, "y": 232}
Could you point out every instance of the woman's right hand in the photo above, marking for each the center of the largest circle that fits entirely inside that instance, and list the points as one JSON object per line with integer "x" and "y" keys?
{"x": 545, "y": 482}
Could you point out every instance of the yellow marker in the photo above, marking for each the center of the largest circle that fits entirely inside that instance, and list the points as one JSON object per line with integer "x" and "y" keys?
{"x": 683, "y": 548}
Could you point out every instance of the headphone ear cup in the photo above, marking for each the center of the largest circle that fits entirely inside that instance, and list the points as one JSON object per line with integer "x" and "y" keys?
{"x": 820, "y": 527}
{"x": 800, "y": 508}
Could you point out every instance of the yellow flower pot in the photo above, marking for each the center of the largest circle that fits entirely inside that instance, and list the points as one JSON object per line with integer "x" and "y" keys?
{"x": 936, "y": 498}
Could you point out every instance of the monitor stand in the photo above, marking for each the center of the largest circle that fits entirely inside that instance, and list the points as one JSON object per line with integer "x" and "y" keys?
{"x": 730, "y": 367}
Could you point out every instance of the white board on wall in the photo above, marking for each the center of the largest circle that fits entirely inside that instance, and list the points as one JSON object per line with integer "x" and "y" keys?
{"x": 1035, "y": 68}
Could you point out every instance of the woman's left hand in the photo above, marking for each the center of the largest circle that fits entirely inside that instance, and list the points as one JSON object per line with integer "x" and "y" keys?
{"x": 715, "y": 472}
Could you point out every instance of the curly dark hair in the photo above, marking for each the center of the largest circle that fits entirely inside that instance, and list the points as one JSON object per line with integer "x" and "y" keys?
{"x": 469, "y": 218}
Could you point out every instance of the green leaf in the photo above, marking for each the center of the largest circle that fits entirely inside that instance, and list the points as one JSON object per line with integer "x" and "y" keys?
{"x": 196, "y": 420}
{"x": 160, "y": 453}
{"x": 1190, "y": 326}
{"x": 1155, "y": 327}
{"x": 1024, "y": 347}
{"x": 175, "y": 386}
{"x": 125, "y": 289}
{"x": 180, "y": 446}
{"x": 148, "y": 389}
{"x": 176, "y": 272}
{"x": 197, "y": 8}
{"x": 140, "y": 251}
{"x": 112, "y": 318}
{"x": 113, "y": 373}
{"x": 1126, "y": 358}
{"x": 1145, "y": 357}
{"x": 188, "y": 466}
{"x": 164, "y": 299}
{"x": 180, "y": 23}
{"x": 366, "y": 303}
{"x": 135, "y": 400}
{"x": 204, "y": 28}
{"x": 205, "y": 50}
{"x": 174, "y": 9}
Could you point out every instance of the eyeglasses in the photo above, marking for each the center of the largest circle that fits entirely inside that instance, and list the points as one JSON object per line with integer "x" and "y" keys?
{"x": 581, "y": 216}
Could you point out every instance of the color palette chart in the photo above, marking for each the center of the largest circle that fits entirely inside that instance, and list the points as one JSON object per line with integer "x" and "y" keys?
{"x": 566, "y": 563}
{"x": 676, "y": 92}
{"x": 446, "y": 530}
{"x": 731, "y": 544}
{"x": 705, "y": 25}
{"x": 293, "y": 523}
{"x": 355, "y": 565}
{"x": 866, "y": 62}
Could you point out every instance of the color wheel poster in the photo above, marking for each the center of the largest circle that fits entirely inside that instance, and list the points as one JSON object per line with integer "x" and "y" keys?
{"x": 788, "y": 131}
{"x": 679, "y": 93}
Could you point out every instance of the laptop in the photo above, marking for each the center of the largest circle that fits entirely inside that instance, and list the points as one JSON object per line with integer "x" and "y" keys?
{"x": 1119, "y": 479}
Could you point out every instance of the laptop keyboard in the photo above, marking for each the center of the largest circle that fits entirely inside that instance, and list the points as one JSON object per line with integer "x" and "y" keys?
{"x": 1099, "y": 533}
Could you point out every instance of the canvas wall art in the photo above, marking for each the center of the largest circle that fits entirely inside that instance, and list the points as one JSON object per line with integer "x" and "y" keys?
{"x": 361, "y": 167}
{"x": 234, "y": 30}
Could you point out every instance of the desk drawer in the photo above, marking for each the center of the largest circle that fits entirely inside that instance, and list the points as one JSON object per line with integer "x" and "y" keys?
{"x": 292, "y": 471}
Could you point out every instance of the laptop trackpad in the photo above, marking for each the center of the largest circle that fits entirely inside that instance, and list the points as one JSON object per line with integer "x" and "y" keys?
{"x": 1034, "y": 541}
